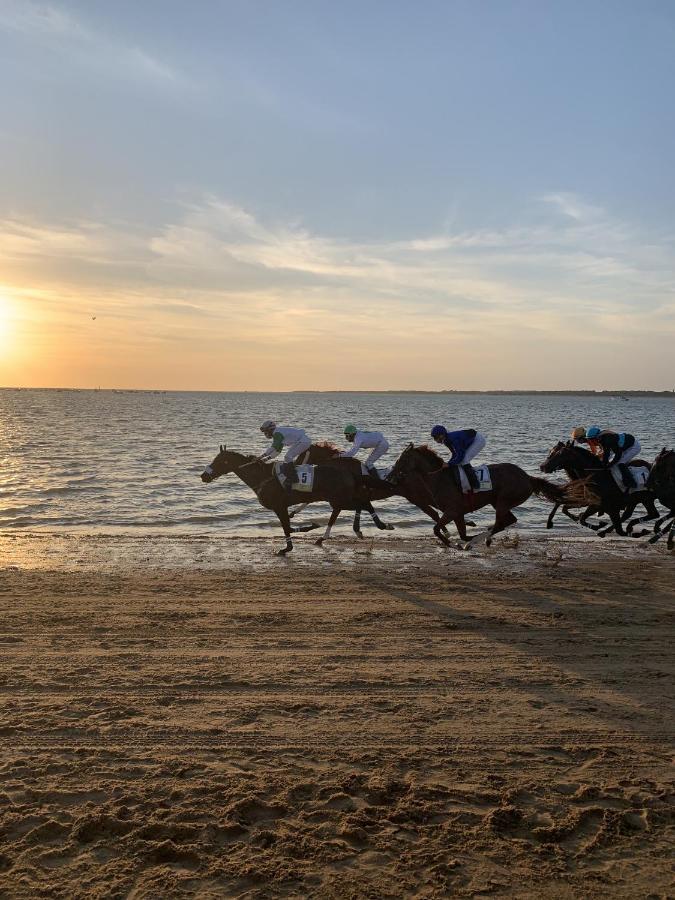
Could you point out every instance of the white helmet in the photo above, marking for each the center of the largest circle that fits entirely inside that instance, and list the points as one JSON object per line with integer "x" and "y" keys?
{"x": 268, "y": 425}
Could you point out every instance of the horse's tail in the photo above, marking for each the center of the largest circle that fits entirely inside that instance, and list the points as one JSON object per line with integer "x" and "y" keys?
{"x": 581, "y": 493}
{"x": 549, "y": 490}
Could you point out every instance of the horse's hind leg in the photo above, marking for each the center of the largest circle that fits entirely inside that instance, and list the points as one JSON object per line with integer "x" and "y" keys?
{"x": 503, "y": 519}
{"x": 333, "y": 519}
{"x": 383, "y": 526}
{"x": 549, "y": 521}
{"x": 357, "y": 522}
{"x": 652, "y": 513}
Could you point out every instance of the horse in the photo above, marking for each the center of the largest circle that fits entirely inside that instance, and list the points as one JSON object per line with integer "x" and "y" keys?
{"x": 576, "y": 466}
{"x": 598, "y": 490}
{"x": 325, "y": 453}
{"x": 339, "y": 487}
{"x": 662, "y": 481}
{"x": 420, "y": 469}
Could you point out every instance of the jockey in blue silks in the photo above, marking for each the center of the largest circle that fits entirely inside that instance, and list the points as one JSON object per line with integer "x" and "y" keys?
{"x": 464, "y": 444}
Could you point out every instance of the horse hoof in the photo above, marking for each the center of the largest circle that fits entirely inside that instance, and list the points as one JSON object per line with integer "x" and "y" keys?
{"x": 283, "y": 552}
{"x": 549, "y": 524}
{"x": 469, "y": 524}
{"x": 319, "y": 542}
{"x": 359, "y": 534}
{"x": 388, "y": 527}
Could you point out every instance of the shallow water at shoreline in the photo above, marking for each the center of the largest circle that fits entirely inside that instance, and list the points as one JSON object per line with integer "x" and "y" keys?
{"x": 120, "y": 553}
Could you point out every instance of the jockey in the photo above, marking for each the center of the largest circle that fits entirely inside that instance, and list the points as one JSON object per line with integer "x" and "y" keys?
{"x": 374, "y": 441}
{"x": 615, "y": 450}
{"x": 294, "y": 439}
{"x": 581, "y": 436}
{"x": 464, "y": 444}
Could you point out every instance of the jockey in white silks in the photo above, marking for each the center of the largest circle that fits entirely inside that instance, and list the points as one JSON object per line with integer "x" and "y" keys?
{"x": 295, "y": 440}
{"x": 374, "y": 441}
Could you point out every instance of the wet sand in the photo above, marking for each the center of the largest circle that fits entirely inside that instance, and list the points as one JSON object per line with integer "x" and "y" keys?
{"x": 384, "y": 720}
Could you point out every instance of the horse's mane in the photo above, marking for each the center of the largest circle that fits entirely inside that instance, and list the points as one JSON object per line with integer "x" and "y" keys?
{"x": 327, "y": 445}
{"x": 425, "y": 450}
{"x": 588, "y": 454}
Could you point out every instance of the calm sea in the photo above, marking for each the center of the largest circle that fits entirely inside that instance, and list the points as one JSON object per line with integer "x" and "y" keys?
{"x": 111, "y": 461}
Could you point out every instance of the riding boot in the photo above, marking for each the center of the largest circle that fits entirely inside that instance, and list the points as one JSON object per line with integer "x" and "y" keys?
{"x": 372, "y": 471}
{"x": 627, "y": 475}
{"x": 472, "y": 477}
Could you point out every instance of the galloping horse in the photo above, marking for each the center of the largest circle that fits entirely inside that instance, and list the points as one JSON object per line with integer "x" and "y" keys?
{"x": 328, "y": 454}
{"x": 420, "y": 472}
{"x": 339, "y": 487}
{"x": 662, "y": 482}
{"x": 576, "y": 466}
{"x": 602, "y": 494}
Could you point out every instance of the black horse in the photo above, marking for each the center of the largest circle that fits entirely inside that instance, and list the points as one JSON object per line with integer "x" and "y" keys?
{"x": 338, "y": 486}
{"x": 577, "y": 466}
{"x": 662, "y": 482}
{"x": 594, "y": 486}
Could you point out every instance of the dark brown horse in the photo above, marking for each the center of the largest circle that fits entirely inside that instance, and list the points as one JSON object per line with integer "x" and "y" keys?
{"x": 328, "y": 454}
{"x": 421, "y": 472}
{"x": 662, "y": 482}
{"x": 337, "y": 486}
{"x": 601, "y": 493}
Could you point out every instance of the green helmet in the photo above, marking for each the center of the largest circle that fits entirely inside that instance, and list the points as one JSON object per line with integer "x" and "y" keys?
{"x": 350, "y": 429}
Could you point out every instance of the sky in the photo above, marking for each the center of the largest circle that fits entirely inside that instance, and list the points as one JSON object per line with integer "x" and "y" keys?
{"x": 364, "y": 194}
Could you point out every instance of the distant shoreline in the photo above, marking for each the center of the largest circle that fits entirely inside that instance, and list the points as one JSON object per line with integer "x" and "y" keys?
{"x": 449, "y": 392}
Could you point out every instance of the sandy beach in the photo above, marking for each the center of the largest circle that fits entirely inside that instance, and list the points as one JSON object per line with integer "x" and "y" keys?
{"x": 376, "y": 721}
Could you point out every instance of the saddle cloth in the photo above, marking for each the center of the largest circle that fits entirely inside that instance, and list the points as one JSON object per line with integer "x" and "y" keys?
{"x": 483, "y": 476}
{"x": 304, "y": 477}
{"x": 640, "y": 474}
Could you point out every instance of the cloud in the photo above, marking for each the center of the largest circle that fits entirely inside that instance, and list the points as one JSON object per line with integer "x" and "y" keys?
{"x": 572, "y": 206}
{"x": 51, "y": 24}
{"x": 219, "y": 278}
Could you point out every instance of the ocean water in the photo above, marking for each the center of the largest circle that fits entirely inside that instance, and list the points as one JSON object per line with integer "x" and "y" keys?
{"x": 106, "y": 461}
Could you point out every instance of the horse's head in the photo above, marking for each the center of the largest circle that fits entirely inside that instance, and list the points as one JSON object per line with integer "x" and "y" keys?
{"x": 553, "y": 461}
{"x": 663, "y": 469}
{"x": 402, "y": 466}
{"x": 222, "y": 464}
{"x": 414, "y": 459}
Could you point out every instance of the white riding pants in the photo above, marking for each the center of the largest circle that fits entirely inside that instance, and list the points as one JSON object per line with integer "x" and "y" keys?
{"x": 376, "y": 453}
{"x": 297, "y": 448}
{"x": 629, "y": 454}
{"x": 474, "y": 449}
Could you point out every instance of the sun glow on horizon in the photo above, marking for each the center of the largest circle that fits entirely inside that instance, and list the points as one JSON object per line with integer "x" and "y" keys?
{"x": 6, "y": 323}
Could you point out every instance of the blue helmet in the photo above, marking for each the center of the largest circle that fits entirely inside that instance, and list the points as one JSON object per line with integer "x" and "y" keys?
{"x": 593, "y": 432}
{"x": 438, "y": 431}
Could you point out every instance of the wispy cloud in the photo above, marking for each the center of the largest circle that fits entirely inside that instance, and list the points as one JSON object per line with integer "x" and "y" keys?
{"x": 52, "y": 24}
{"x": 218, "y": 277}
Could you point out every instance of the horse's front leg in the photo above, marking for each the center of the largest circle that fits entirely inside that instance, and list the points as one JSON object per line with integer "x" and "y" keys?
{"x": 333, "y": 519}
{"x": 292, "y": 513}
{"x": 440, "y": 529}
{"x": 585, "y": 516}
{"x": 659, "y": 532}
{"x": 357, "y": 522}
{"x": 282, "y": 515}
{"x": 616, "y": 525}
